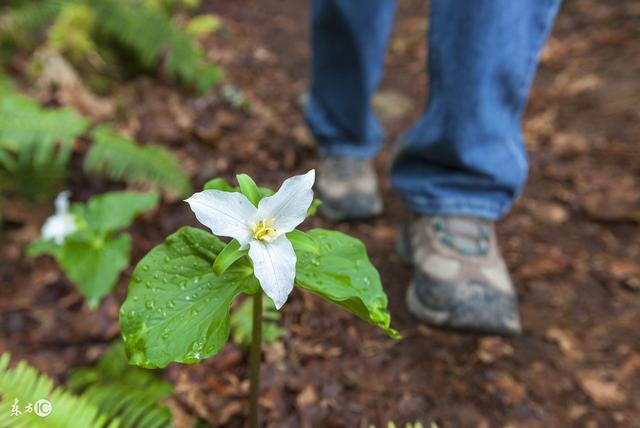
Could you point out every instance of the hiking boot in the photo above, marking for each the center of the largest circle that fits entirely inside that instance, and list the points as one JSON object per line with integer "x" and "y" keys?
{"x": 348, "y": 188}
{"x": 461, "y": 281}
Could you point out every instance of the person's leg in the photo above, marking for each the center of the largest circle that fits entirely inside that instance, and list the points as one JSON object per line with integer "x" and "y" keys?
{"x": 466, "y": 155}
{"x": 349, "y": 39}
{"x": 462, "y": 165}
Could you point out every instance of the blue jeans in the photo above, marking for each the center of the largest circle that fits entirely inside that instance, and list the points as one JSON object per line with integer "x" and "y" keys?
{"x": 466, "y": 154}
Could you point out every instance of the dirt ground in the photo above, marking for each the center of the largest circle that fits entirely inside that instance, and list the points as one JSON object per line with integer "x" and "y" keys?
{"x": 572, "y": 241}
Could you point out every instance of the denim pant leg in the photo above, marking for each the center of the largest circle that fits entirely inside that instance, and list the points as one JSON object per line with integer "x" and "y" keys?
{"x": 466, "y": 154}
{"x": 349, "y": 39}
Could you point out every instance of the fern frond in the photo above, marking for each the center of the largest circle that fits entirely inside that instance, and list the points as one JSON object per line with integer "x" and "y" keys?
{"x": 35, "y": 144}
{"x": 149, "y": 31}
{"x": 184, "y": 57}
{"x": 24, "y": 122}
{"x": 135, "y": 408}
{"x": 120, "y": 158}
{"x": 118, "y": 389}
{"x": 32, "y": 15}
{"x": 26, "y": 385}
{"x": 145, "y": 30}
{"x": 70, "y": 32}
{"x": 186, "y": 63}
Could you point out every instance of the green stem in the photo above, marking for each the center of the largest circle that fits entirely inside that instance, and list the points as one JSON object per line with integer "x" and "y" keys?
{"x": 254, "y": 361}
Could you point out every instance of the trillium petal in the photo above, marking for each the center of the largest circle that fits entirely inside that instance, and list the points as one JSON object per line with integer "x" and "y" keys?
{"x": 58, "y": 227}
{"x": 274, "y": 264}
{"x": 225, "y": 213}
{"x": 289, "y": 205}
{"x": 62, "y": 202}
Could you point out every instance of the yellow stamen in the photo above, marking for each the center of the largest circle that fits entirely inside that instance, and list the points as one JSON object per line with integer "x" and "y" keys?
{"x": 263, "y": 231}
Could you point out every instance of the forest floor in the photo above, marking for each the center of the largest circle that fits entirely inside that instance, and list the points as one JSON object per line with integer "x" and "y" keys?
{"x": 572, "y": 241}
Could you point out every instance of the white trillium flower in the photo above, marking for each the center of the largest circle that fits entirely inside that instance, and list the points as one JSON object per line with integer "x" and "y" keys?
{"x": 62, "y": 223}
{"x": 262, "y": 229}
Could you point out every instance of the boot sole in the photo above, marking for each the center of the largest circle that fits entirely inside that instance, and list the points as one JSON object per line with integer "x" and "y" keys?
{"x": 439, "y": 319}
{"x": 337, "y": 214}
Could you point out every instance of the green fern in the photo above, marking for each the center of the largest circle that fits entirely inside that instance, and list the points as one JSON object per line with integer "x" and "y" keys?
{"x": 145, "y": 30}
{"x": 149, "y": 32}
{"x": 70, "y": 33}
{"x": 185, "y": 63}
{"x": 23, "y": 121}
{"x": 120, "y": 158}
{"x": 26, "y": 385}
{"x": 20, "y": 22}
{"x": 35, "y": 145}
{"x": 141, "y": 28}
{"x": 118, "y": 389}
{"x": 32, "y": 15}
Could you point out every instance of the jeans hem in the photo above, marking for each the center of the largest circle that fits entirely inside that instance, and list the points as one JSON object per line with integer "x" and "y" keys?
{"x": 457, "y": 206}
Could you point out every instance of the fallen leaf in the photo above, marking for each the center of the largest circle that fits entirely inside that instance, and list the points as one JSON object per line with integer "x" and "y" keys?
{"x": 510, "y": 392}
{"x": 391, "y": 105}
{"x": 307, "y": 397}
{"x": 547, "y": 212}
{"x": 567, "y": 343}
{"x": 229, "y": 411}
{"x": 604, "y": 393}
{"x": 491, "y": 349}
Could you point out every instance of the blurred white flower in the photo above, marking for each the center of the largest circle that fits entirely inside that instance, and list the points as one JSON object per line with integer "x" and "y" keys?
{"x": 262, "y": 229}
{"x": 62, "y": 223}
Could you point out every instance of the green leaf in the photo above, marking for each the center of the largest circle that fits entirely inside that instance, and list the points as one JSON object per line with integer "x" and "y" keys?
{"x": 223, "y": 185}
{"x": 220, "y": 184}
{"x": 203, "y": 24}
{"x": 314, "y": 207}
{"x": 91, "y": 257}
{"x": 303, "y": 241}
{"x": 41, "y": 247}
{"x": 114, "y": 210}
{"x": 249, "y": 188}
{"x": 343, "y": 274}
{"x": 228, "y": 256}
{"x": 94, "y": 266}
{"x": 177, "y": 309}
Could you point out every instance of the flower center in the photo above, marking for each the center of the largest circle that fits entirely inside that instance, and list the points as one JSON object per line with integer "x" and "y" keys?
{"x": 263, "y": 231}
